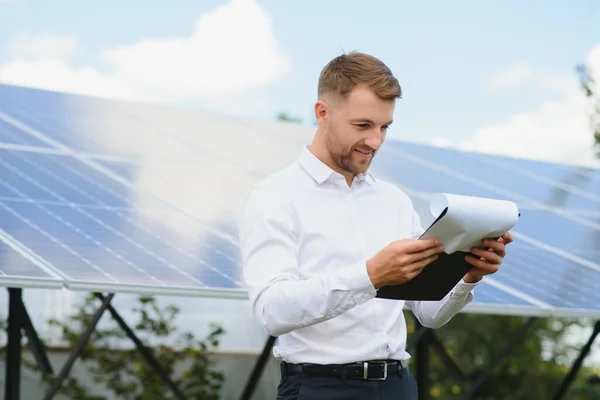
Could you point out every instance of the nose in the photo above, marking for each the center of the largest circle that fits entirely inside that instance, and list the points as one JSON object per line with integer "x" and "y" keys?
{"x": 374, "y": 140}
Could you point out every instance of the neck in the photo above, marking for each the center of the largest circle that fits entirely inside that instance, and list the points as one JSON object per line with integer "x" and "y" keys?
{"x": 318, "y": 148}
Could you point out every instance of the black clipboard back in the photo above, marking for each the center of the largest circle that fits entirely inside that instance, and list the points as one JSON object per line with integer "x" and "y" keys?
{"x": 433, "y": 283}
{"x": 436, "y": 280}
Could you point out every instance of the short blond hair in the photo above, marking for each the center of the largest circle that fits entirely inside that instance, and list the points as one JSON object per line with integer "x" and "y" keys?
{"x": 343, "y": 73}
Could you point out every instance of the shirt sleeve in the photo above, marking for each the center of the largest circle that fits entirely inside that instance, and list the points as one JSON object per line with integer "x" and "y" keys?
{"x": 435, "y": 314}
{"x": 280, "y": 297}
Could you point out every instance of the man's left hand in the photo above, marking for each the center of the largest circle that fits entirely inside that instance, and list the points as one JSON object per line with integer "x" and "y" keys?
{"x": 488, "y": 259}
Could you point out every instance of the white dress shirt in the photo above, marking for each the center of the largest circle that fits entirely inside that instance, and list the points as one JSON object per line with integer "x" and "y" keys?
{"x": 305, "y": 239}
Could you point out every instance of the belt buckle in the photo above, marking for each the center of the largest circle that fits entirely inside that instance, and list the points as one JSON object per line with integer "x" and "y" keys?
{"x": 366, "y": 370}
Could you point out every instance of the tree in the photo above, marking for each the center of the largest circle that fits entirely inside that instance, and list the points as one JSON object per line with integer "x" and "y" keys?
{"x": 125, "y": 373}
{"x": 533, "y": 370}
{"x": 589, "y": 87}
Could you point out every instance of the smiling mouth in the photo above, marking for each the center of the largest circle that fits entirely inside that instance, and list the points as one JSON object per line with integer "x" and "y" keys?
{"x": 364, "y": 153}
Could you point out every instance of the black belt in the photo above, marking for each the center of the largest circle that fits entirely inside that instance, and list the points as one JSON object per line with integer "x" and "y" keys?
{"x": 368, "y": 370}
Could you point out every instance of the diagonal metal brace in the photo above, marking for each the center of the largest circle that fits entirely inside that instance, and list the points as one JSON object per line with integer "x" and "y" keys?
{"x": 146, "y": 353}
{"x": 516, "y": 339}
{"x": 564, "y": 386}
{"x": 83, "y": 339}
{"x": 35, "y": 344}
{"x": 449, "y": 363}
{"x": 259, "y": 366}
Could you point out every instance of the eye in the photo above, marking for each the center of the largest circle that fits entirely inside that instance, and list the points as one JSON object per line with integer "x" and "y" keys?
{"x": 362, "y": 126}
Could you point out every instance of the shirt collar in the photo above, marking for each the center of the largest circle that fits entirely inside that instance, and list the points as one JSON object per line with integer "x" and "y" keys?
{"x": 320, "y": 172}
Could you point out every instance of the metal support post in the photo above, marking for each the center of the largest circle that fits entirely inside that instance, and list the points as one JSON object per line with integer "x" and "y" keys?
{"x": 422, "y": 364}
{"x": 12, "y": 388}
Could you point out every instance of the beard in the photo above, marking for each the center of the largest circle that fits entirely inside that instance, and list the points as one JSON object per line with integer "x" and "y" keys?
{"x": 345, "y": 159}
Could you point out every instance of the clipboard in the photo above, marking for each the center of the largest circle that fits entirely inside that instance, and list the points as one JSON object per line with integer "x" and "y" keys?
{"x": 454, "y": 214}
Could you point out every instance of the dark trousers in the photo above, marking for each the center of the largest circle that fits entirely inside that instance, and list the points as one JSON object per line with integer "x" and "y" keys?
{"x": 399, "y": 386}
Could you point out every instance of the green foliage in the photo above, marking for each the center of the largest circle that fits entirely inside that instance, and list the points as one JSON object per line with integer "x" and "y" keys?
{"x": 532, "y": 370}
{"x": 125, "y": 372}
{"x": 588, "y": 85}
{"x": 283, "y": 116}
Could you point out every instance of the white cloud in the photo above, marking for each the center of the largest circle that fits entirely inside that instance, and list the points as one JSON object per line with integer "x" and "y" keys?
{"x": 511, "y": 77}
{"x": 557, "y": 130}
{"x": 55, "y": 74}
{"x": 230, "y": 50}
{"x": 42, "y": 46}
{"x": 523, "y": 75}
{"x": 441, "y": 142}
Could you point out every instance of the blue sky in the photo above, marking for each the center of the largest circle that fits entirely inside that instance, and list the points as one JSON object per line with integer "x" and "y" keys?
{"x": 444, "y": 53}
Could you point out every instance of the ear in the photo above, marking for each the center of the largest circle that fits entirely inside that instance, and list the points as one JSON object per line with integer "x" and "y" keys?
{"x": 321, "y": 111}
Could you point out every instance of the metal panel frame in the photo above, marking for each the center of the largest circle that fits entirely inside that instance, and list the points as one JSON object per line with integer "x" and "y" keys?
{"x": 183, "y": 291}
{"x": 52, "y": 281}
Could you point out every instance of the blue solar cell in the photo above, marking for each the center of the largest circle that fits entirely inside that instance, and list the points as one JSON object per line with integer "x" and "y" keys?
{"x": 551, "y": 278}
{"x": 582, "y": 178}
{"x": 44, "y": 109}
{"x": 17, "y": 270}
{"x": 487, "y": 294}
{"x": 57, "y": 178}
{"x": 86, "y": 124}
{"x": 510, "y": 181}
{"x": 124, "y": 169}
{"x": 10, "y": 134}
{"x": 563, "y": 233}
{"x": 405, "y": 172}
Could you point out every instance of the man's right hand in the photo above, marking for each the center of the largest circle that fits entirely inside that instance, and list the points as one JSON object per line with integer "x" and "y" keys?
{"x": 402, "y": 260}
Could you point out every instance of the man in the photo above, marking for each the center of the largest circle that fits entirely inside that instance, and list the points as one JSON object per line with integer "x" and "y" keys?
{"x": 320, "y": 236}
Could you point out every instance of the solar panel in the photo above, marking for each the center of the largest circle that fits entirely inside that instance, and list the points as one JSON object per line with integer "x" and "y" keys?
{"x": 426, "y": 175}
{"x": 573, "y": 177}
{"x": 544, "y": 189}
{"x": 558, "y": 226}
{"x": 578, "y": 235}
{"x": 13, "y": 136}
{"x": 557, "y": 280}
{"x": 103, "y": 235}
{"x": 145, "y": 199}
{"x": 495, "y": 299}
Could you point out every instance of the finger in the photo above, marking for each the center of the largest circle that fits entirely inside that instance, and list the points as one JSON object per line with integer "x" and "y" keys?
{"x": 423, "y": 255}
{"x": 490, "y": 256}
{"x": 420, "y": 264}
{"x": 496, "y": 246}
{"x": 482, "y": 265}
{"x": 421, "y": 245}
{"x": 507, "y": 238}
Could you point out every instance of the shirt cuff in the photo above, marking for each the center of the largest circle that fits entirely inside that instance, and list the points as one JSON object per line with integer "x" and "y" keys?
{"x": 463, "y": 287}
{"x": 358, "y": 281}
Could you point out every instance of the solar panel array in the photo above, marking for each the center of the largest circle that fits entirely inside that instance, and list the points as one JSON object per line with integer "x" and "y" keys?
{"x": 127, "y": 197}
